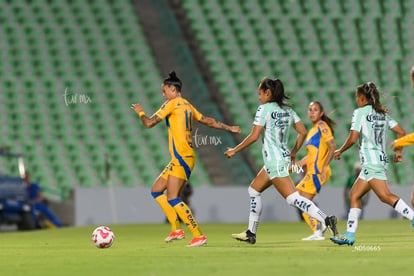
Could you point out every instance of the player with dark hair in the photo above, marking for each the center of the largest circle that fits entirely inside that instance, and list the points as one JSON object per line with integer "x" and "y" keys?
{"x": 320, "y": 147}
{"x": 274, "y": 117}
{"x": 179, "y": 115}
{"x": 370, "y": 122}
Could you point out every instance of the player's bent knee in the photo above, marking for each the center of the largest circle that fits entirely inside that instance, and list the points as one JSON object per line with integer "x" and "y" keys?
{"x": 253, "y": 192}
{"x": 290, "y": 199}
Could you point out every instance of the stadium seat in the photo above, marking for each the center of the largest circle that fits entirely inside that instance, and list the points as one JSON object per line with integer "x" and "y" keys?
{"x": 90, "y": 49}
{"x": 321, "y": 51}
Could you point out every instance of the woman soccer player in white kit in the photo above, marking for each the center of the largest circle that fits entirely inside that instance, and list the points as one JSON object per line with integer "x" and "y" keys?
{"x": 274, "y": 118}
{"x": 370, "y": 122}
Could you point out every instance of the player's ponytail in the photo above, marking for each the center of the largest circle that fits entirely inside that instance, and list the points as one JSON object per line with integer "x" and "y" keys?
{"x": 173, "y": 80}
{"x": 371, "y": 93}
{"x": 276, "y": 88}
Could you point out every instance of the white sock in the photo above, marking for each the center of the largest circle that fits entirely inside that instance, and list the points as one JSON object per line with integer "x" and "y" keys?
{"x": 255, "y": 209}
{"x": 321, "y": 226}
{"x": 402, "y": 208}
{"x": 353, "y": 217}
{"x": 307, "y": 206}
{"x": 318, "y": 232}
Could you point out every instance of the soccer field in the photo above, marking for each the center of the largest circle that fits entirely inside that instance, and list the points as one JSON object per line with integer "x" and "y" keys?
{"x": 382, "y": 248}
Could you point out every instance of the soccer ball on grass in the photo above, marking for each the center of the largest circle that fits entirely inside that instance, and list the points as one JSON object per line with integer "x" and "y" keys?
{"x": 103, "y": 237}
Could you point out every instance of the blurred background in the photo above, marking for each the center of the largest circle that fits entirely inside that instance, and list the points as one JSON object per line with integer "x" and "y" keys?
{"x": 70, "y": 70}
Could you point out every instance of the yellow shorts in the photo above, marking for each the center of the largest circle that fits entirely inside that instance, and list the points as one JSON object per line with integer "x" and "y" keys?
{"x": 180, "y": 168}
{"x": 312, "y": 183}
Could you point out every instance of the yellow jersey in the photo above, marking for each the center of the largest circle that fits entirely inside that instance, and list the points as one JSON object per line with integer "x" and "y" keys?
{"x": 317, "y": 147}
{"x": 179, "y": 115}
{"x": 404, "y": 141}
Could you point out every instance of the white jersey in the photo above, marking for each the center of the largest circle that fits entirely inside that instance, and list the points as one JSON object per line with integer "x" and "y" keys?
{"x": 276, "y": 122}
{"x": 372, "y": 127}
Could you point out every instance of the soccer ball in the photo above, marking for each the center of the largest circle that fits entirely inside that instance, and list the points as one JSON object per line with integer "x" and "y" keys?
{"x": 103, "y": 237}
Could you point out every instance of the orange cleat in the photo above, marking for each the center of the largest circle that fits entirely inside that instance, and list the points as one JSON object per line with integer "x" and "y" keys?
{"x": 197, "y": 241}
{"x": 175, "y": 235}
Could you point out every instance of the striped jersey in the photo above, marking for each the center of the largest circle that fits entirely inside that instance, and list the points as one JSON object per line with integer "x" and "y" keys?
{"x": 276, "y": 121}
{"x": 372, "y": 127}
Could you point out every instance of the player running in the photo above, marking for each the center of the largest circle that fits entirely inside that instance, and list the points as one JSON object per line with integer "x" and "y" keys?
{"x": 274, "y": 118}
{"x": 370, "y": 122}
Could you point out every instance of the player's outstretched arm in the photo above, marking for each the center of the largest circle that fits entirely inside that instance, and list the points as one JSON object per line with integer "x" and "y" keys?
{"x": 148, "y": 122}
{"x": 349, "y": 142}
{"x": 404, "y": 141}
{"x": 211, "y": 122}
{"x": 250, "y": 139}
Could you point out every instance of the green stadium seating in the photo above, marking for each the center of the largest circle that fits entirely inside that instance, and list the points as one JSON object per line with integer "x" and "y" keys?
{"x": 88, "y": 49}
{"x": 321, "y": 50}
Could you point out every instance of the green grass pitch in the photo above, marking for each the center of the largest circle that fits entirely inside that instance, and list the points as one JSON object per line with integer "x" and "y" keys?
{"x": 382, "y": 248}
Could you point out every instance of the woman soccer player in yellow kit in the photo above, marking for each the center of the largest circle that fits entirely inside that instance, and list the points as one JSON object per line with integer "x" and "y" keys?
{"x": 404, "y": 141}
{"x": 179, "y": 115}
{"x": 320, "y": 146}
{"x": 408, "y": 139}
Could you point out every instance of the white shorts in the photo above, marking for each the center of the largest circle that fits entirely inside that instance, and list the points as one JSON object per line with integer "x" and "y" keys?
{"x": 369, "y": 172}
{"x": 277, "y": 170}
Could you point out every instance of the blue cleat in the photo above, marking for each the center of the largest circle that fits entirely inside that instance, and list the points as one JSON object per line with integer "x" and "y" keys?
{"x": 412, "y": 222}
{"x": 346, "y": 238}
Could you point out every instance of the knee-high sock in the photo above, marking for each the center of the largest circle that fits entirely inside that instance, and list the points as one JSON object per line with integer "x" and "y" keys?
{"x": 255, "y": 209}
{"x": 168, "y": 210}
{"x": 353, "y": 217}
{"x": 185, "y": 214}
{"x": 311, "y": 222}
{"x": 402, "y": 208}
{"x": 307, "y": 206}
